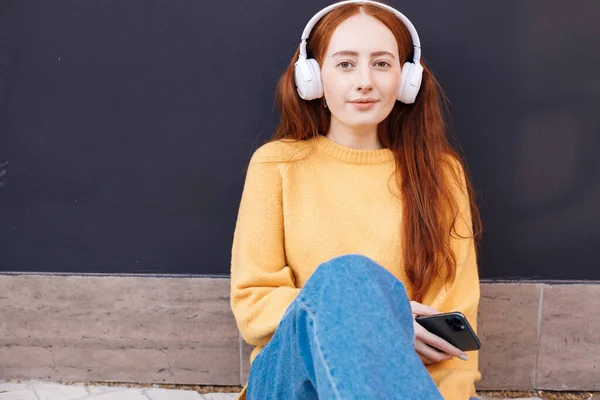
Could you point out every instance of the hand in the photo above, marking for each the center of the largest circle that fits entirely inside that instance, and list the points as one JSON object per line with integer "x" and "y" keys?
{"x": 427, "y": 344}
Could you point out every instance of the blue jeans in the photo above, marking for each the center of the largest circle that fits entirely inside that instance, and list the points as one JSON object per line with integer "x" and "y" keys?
{"x": 347, "y": 335}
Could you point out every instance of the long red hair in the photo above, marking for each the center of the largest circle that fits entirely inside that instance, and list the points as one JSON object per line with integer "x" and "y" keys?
{"x": 416, "y": 133}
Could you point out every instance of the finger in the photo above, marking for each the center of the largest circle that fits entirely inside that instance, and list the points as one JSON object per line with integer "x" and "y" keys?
{"x": 425, "y": 360}
{"x": 435, "y": 341}
{"x": 425, "y": 353}
{"x": 431, "y": 353}
{"x": 422, "y": 309}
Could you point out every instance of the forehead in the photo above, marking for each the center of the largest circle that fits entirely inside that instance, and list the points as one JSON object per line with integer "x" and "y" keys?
{"x": 364, "y": 34}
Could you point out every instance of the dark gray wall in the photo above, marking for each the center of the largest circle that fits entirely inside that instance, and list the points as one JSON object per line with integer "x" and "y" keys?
{"x": 127, "y": 126}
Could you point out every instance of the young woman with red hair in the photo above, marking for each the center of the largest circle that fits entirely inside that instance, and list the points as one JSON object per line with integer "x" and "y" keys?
{"x": 357, "y": 217}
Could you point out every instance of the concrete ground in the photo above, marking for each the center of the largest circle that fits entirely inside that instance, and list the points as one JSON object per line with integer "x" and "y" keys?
{"x": 37, "y": 390}
{"x": 40, "y": 390}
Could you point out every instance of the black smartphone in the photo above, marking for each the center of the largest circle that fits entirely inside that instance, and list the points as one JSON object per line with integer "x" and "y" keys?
{"x": 453, "y": 328}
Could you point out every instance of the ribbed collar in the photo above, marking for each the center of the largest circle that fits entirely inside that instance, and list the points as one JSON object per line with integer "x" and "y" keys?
{"x": 351, "y": 155}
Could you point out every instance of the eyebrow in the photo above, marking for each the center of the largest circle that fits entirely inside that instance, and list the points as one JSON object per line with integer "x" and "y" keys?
{"x": 355, "y": 53}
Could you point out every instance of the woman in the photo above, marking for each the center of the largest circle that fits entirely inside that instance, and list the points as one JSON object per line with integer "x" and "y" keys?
{"x": 356, "y": 218}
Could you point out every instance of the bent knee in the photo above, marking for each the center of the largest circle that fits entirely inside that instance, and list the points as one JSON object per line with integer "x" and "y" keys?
{"x": 355, "y": 267}
{"x": 352, "y": 262}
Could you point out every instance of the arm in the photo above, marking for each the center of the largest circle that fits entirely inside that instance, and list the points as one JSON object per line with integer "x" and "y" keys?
{"x": 455, "y": 378}
{"x": 262, "y": 285}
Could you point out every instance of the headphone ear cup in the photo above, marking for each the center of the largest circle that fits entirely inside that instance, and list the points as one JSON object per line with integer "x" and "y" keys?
{"x": 307, "y": 76}
{"x": 318, "y": 84}
{"x": 410, "y": 82}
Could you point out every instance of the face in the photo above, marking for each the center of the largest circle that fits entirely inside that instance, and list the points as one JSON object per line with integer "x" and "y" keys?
{"x": 361, "y": 62}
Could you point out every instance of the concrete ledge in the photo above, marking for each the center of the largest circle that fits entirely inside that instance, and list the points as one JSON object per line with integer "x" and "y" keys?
{"x": 180, "y": 330}
{"x": 126, "y": 329}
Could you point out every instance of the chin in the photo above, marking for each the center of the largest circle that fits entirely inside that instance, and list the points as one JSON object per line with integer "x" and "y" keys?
{"x": 366, "y": 120}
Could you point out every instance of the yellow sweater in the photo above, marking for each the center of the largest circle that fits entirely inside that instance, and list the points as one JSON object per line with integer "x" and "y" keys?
{"x": 305, "y": 202}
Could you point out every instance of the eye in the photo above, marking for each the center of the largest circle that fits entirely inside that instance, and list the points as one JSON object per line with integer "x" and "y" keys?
{"x": 344, "y": 64}
{"x": 385, "y": 64}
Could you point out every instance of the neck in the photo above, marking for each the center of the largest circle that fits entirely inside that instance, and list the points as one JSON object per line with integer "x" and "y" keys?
{"x": 356, "y": 137}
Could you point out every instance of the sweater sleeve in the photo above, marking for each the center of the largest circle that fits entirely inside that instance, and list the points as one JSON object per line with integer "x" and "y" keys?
{"x": 262, "y": 285}
{"x": 456, "y": 378}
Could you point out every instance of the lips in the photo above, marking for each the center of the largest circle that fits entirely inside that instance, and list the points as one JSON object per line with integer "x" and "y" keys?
{"x": 363, "y": 101}
{"x": 363, "y": 104}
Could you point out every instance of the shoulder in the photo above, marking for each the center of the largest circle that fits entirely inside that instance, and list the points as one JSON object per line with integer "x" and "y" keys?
{"x": 452, "y": 162}
{"x": 453, "y": 168}
{"x": 281, "y": 151}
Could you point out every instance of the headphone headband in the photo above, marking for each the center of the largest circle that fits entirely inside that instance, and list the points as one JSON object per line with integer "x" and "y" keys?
{"x": 307, "y": 72}
{"x": 411, "y": 29}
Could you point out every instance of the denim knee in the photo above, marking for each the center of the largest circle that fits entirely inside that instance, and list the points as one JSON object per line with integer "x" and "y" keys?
{"x": 354, "y": 283}
{"x": 354, "y": 269}
{"x": 355, "y": 266}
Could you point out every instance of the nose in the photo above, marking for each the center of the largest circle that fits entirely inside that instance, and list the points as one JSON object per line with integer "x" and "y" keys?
{"x": 364, "y": 79}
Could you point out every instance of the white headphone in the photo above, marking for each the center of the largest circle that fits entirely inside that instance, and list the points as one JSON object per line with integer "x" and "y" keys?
{"x": 307, "y": 73}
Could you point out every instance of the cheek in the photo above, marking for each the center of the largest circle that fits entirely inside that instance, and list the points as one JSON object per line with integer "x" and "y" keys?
{"x": 389, "y": 88}
{"x": 333, "y": 86}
